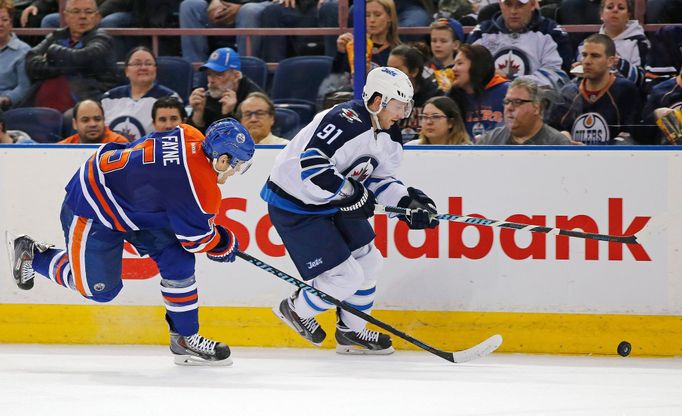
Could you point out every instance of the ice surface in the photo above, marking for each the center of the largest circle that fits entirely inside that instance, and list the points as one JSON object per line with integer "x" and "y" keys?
{"x": 142, "y": 380}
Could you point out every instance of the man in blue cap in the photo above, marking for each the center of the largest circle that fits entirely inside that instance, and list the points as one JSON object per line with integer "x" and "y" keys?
{"x": 226, "y": 88}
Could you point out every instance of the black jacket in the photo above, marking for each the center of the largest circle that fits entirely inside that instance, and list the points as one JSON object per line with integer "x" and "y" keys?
{"x": 90, "y": 67}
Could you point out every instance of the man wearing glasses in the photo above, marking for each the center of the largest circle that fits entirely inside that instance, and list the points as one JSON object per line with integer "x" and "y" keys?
{"x": 72, "y": 63}
{"x": 257, "y": 114}
{"x": 523, "y": 123}
{"x": 227, "y": 87}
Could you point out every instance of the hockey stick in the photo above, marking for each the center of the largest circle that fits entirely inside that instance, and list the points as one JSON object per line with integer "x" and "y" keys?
{"x": 627, "y": 239}
{"x": 477, "y": 351}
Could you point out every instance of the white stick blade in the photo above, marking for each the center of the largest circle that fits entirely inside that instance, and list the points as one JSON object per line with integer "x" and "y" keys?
{"x": 478, "y": 351}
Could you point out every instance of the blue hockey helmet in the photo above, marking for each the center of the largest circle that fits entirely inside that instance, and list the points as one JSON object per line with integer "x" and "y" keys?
{"x": 228, "y": 136}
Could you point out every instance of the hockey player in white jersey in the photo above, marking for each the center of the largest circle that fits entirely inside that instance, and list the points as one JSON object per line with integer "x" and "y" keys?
{"x": 320, "y": 194}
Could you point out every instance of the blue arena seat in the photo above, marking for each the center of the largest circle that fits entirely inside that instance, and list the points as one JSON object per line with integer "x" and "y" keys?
{"x": 287, "y": 123}
{"x": 44, "y": 125}
{"x": 175, "y": 73}
{"x": 299, "y": 78}
{"x": 255, "y": 69}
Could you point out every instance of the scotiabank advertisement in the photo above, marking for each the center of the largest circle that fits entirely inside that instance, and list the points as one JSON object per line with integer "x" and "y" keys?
{"x": 455, "y": 267}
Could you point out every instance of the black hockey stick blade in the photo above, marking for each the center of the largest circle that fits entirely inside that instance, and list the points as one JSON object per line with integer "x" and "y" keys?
{"x": 626, "y": 239}
{"x": 477, "y": 351}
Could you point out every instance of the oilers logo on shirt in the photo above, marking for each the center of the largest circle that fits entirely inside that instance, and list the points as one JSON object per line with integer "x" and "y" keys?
{"x": 512, "y": 62}
{"x": 591, "y": 128}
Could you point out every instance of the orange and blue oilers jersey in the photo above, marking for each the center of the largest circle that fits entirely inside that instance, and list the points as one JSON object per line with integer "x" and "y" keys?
{"x": 160, "y": 181}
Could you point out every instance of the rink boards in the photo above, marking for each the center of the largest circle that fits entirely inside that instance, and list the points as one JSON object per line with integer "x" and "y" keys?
{"x": 450, "y": 287}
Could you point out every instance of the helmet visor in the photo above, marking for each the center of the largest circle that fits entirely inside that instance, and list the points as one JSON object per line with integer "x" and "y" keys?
{"x": 399, "y": 107}
{"x": 241, "y": 167}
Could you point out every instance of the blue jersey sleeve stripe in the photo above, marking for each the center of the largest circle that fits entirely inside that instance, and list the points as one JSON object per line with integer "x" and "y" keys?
{"x": 327, "y": 180}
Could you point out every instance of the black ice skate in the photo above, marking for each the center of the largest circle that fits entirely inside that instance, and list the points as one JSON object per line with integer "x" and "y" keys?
{"x": 197, "y": 350}
{"x": 308, "y": 328}
{"x": 21, "y": 252}
{"x": 364, "y": 342}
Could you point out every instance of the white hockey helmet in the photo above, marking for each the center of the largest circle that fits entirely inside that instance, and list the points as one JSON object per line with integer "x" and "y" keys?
{"x": 392, "y": 84}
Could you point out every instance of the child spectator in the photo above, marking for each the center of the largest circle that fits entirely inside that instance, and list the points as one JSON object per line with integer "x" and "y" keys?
{"x": 446, "y": 37}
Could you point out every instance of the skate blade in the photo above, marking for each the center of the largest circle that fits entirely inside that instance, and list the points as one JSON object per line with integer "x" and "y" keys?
{"x": 190, "y": 360}
{"x": 354, "y": 350}
{"x": 281, "y": 317}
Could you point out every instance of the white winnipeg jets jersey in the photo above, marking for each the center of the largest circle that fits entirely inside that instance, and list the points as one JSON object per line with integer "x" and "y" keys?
{"x": 339, "y": 143}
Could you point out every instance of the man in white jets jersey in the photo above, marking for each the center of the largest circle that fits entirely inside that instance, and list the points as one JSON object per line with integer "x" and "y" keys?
{"x": 320, "y": 194}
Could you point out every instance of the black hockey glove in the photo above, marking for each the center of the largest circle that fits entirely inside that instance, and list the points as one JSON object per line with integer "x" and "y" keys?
{"x": 359, "y": 205}
{"x": 422, "y": 210}
{"x": 227, "y": 248}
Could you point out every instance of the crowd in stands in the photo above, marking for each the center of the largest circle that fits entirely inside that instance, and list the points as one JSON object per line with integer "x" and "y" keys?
{"x": 516, "y": 78}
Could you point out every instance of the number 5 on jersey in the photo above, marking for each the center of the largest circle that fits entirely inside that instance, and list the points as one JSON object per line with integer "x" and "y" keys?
{"x": 118, "y": 159}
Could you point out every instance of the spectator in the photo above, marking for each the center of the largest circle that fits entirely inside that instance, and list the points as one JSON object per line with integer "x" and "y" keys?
{"x": 88, "y": 121}
{"x": 257, "y": 114}
{"x": 446, "y": 37}
{"x": 410, "y": 61}
{"x": 665, "y": 55}
{"x": 523, "y": 42}
{"x": 523, "y": 122}
{"x": 478, "y": 90}
{"x": 113, "y": 13}
{"x": 632, "y": 45}
{"x": 12, "y": 136}
{"x": 13, "y": 80}
{"x": 381, "y": 22}
{"x": 197, "y": 14}
{"x": 601, "y": 109}
{"x": 664, "y": 97}
{"x": 168, "y": 113}
{"x": 441, "y": 123}
{"x": 128, "y": 107}
{"x": 227, "y": 87}
{"x": 409, "y": 13}
{"x": 73, "y": 63}
{"x": 32, "y": 16}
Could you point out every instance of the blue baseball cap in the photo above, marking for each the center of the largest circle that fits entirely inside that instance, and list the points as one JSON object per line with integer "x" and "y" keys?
{"x": 221, "y": 60}
{"x": 455, "y": 26}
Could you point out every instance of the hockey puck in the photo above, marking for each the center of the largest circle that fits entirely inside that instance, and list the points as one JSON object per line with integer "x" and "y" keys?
{"x": 624, "y": 349}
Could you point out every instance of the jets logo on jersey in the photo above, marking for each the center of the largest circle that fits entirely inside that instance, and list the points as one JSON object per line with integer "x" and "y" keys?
{"x": 512, "y": 62}
{"x": 130, "y": 127}
{"x": 362, "y": 168}
{"x": 350, "y": 115}
{"x": 591, "y": 128}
